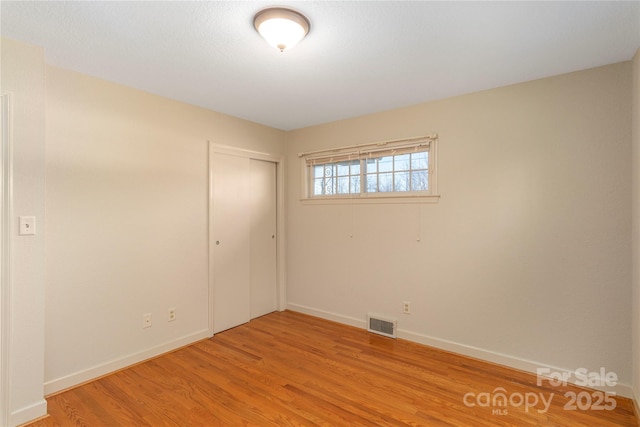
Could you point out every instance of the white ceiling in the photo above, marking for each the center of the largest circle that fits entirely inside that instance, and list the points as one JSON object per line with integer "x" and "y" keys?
{"x": 360, "y": 56}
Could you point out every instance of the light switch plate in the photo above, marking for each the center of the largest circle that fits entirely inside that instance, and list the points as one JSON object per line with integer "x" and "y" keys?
{"x": 27, "y": 226}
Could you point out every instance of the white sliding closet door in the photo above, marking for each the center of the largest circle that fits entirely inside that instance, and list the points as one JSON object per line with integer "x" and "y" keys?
{"x": 232, "y": 242}
{"x": 263, "y": 237}
{"x": 244, "y": 239}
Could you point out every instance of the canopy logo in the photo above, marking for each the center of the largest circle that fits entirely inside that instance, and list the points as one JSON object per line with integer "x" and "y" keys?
{"x": 499, "y": 400}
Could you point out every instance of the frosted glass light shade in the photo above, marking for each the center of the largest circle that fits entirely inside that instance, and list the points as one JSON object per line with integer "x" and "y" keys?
{"x": 281, "y": 28}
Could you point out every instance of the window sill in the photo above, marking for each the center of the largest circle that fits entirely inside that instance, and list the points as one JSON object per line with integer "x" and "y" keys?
{"x": 346, "y": 200}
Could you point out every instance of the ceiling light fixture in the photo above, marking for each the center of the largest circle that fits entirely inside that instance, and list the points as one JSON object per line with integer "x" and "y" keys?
{"x": 281, "y": 28}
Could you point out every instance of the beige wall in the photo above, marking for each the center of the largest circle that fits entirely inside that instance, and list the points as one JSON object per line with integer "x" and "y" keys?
{"x": 23, "y": 78}
{"x": 524, "y": 260}
{"x": 636, "y": 228}
{"x": 127, "y": 194}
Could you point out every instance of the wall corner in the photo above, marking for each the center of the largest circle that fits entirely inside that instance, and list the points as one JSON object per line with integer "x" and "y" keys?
{"x": 635, "y": 227}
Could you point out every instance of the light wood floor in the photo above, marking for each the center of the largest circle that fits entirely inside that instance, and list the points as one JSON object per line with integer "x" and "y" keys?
{"x": 289, "y": 369}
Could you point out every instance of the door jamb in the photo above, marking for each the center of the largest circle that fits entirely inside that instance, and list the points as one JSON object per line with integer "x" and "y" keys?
{"x": 6, "y": 195}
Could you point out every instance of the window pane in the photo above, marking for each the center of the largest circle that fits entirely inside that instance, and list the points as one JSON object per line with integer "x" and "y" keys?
{"x": 343, "y": 169}
{"x": 385, "y": 182}
{"x": 420, "y": 181}
{"x": 318, "y": 171}
{"x": 372, "y": 165}
{"x": 342, "y": 185}
{"x": 330, "y": 170}
{"x": 402, "y": 162}
{"x": 328, "y": 184}
{"x": 355, "y": 167}
{"x": 355, "y": 183}
{"x": 372, "y": 183}
{"x": 317, "y": 187}
{"x": 385, "y": 164}
{"x": 420, "y": 160}
{"x": 401, "y": 181}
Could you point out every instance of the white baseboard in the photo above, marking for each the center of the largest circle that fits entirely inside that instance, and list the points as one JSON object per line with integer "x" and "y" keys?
{"x": 94, "y": 372}
{"x": 28, "y": 413}
{"x": 619, "y": 389}
{"x": 351, "y": 321}
{"x": 530, "y": 366}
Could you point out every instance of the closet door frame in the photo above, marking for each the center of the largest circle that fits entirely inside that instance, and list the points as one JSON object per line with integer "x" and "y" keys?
{"x": 279, "y": 160}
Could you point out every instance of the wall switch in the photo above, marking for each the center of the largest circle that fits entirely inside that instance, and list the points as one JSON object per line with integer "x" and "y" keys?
{"x": 146, "y": 320}
{"x": 406, "y": 307}
{"x": 27, "y": 226}
{"x": 172, "y": 314}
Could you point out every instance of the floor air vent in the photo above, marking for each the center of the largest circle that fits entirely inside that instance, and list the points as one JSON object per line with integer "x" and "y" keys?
{"x": 381, "y": 326}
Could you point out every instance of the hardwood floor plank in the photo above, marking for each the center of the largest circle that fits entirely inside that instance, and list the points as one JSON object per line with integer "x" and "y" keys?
{"x": 290, "y": 369}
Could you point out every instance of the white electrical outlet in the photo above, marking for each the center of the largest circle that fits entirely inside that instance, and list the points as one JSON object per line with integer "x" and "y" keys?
{"x": 146, "y": 320}
{"x": 406, "y": 307}
{"x": 172, "y": 314}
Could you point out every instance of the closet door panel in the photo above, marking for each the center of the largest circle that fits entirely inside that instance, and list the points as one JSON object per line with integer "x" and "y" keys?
{"x": 232, "y": 241}
{"x": 264, "y": 236}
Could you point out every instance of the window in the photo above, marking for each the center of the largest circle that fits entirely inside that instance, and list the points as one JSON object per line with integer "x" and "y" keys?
{"x": 391, "y": 169}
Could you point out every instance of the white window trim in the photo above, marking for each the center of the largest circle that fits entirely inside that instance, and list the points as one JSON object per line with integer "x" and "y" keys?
{"x": 364, "y": 198}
